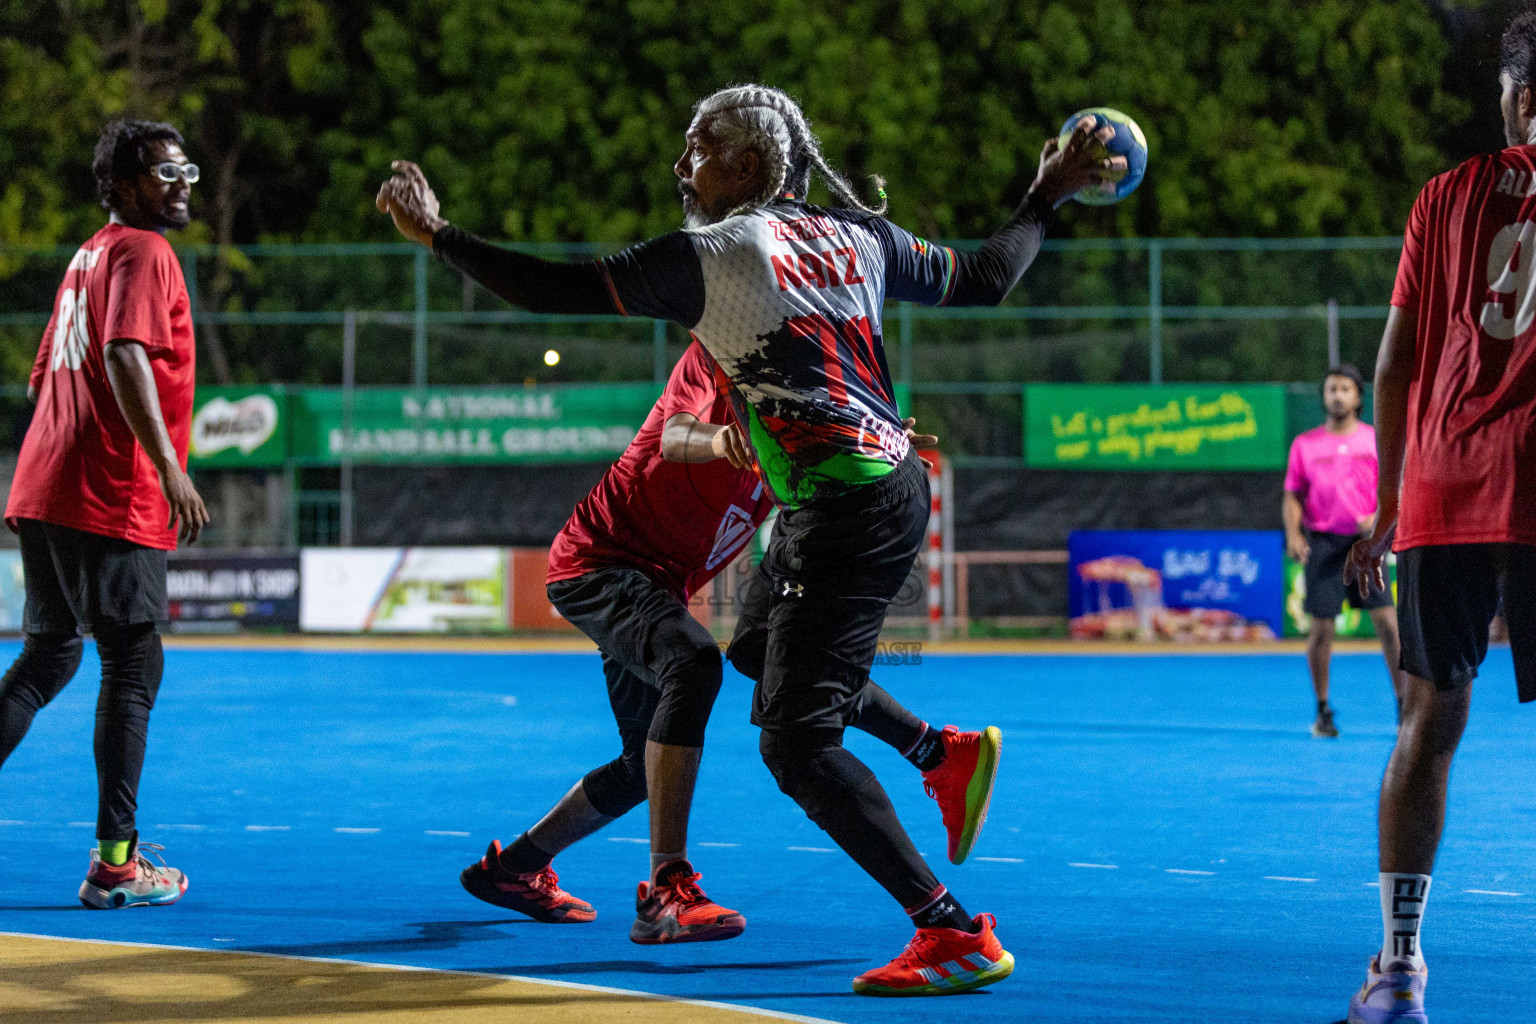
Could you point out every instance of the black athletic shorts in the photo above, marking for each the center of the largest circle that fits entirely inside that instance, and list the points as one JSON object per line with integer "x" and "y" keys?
{"x": 79, "y": 581}
{"x": 832, "y": 569}
{"x": 1446, "y": 597}
{"x": 1326, "y": 589}
{"x": 642, "y": 630}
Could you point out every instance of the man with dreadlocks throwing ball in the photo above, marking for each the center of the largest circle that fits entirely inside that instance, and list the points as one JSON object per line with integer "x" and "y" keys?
{"x": 787, "y": 298}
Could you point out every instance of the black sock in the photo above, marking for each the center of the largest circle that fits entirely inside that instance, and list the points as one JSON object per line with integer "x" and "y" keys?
{"x": 943, "y": 911}
{"x": 928, "y": 752}
{"x": 1322, "y": 706}
{"x": 523, "y": 858}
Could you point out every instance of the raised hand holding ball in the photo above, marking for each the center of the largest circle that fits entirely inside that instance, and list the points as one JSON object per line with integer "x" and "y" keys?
{"x": 1123, "y": 144}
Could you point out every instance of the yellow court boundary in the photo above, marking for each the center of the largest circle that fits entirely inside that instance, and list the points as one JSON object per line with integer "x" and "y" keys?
{"x": 581, "y": 645}
{"x": 52, "y": 980}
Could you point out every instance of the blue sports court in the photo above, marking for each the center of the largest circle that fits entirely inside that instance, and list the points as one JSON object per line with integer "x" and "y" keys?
{"x": 1166, "y": 842}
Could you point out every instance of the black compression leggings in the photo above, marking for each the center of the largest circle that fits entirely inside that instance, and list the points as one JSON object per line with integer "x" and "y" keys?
{"x": 132, "y": 663}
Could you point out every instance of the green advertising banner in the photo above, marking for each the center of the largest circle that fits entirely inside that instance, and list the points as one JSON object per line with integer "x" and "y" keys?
{"x": 239, "y": 427}
{"x": 470, "y": 425}
{"x": 1349, "y": 623}
{"x": 1154, "y": 426}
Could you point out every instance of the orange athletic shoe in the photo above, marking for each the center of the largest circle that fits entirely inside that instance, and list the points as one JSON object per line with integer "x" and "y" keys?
{"x": 962, "y": 785}
{"x": 941, "y": 962}
{"x": 537, "y": 894}
{"x": 675, "y": 909}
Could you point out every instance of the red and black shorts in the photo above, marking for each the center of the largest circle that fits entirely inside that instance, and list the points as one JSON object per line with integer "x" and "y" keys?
{"x": 1448, "y": 594}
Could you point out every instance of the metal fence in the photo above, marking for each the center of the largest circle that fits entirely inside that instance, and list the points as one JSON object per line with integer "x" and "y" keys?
{"x": 1181, "y": 309}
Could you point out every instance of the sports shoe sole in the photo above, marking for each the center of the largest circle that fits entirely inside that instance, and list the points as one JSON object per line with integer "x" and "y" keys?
{"x": 478, "y": 884}
{"x": 93, "y": 897}
{"x": 646, "y": 933}
{"x": 978, "y": 792}
{"x": 950, "y": 986}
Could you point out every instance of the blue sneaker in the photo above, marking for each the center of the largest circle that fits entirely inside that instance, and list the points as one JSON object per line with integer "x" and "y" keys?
{"x": 137, "y": 883}
{"x": 1394, "y": 996}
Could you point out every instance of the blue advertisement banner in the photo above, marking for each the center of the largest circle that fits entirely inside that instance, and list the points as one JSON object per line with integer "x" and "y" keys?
{"x": 1197, "y": 586}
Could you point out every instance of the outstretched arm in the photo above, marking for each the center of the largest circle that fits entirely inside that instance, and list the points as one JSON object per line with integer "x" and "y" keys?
{"x": 539, "y": 286}
{"x": 986, "y": 276}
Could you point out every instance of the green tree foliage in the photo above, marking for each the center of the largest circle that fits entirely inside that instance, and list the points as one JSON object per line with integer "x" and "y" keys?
{"x": 559, "y": 119}
{"x": 546, "y": 120}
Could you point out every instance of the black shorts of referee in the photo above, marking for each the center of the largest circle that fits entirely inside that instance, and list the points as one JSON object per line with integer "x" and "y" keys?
{"x": 662, "y": 667}
{"x": 1448, "y": 594}
{"x": 1324, "y": 573}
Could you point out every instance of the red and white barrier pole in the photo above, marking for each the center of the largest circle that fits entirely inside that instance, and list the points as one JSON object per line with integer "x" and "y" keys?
{"x": 935, "y": 547}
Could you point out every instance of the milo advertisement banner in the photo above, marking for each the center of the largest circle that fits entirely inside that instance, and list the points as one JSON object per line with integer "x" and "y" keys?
{"x": 238, "y": 427}
{"x": 470, "y": 425}
{"x": 1162, "y": 426}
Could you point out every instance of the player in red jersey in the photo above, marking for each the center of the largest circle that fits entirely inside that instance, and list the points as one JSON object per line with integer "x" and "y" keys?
{"x": 674, "y": 511}
{"x": 101, "y": 485}
{"x": 1456, "y": 438}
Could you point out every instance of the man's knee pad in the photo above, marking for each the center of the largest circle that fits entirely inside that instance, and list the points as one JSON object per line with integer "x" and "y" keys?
{"x": 616, "y": 788}
{"x": 687, "y": 697}
{"x": 132, "y": 661}
{"x": 821, "y": 776}
{"x": 47, "y": 663}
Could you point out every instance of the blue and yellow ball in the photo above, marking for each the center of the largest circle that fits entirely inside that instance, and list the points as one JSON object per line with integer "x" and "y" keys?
{"x": 1128, "y": 142}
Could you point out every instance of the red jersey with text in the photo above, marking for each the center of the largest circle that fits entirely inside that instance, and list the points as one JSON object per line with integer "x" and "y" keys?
{"x": 1466, "y": 276}
{"x": 80, "y": 465}
{"x": 679, "y": 523}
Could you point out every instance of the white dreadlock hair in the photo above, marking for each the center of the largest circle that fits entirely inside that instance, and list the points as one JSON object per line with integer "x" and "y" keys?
{"x": 769, "y": 122}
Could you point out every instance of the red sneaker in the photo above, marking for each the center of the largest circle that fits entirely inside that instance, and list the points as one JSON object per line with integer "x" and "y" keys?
{"x": 941, "y": 962}
{"x": 537, "y": 894}
{"x": 675, "y": 909}
{"x": 962, "y": 785}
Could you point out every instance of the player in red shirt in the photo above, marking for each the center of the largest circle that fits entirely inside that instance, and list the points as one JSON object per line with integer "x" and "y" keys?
{"x": 1456, "y": 438}
{"x": 676, "y": 509}
{"x": 101, "y": 485}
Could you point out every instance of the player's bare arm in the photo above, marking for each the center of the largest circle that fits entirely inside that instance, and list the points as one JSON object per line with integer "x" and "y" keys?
{"x": 1295, "y": 540}
{"x": 133, "y": 385}
{"x": 1394, "y": 372}
{"x": 686, "y": 438}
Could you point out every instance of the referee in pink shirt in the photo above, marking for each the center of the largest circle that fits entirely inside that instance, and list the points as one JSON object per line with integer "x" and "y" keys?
{"x": 1330, "y": 502}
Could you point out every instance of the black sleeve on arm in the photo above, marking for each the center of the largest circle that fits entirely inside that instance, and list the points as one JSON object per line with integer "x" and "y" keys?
{"x": 539, "y": 286}
{"x": 986, "y": 276}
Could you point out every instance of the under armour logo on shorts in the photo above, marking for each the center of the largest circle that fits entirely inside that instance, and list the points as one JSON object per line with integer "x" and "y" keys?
{"x": 792, "y": 589}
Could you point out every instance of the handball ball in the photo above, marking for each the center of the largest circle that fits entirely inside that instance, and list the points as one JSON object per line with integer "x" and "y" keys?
{"x": 1128, "y": 142}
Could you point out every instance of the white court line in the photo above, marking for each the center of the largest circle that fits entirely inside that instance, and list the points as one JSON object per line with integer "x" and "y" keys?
{"x": 434, "y": 832}
{"x": 1493, "y": 892}
{"x": 267, "y": 828}
{"x": 82, "y": 824}
{"x": 721, "y": 846}
{"x": 1287, "y": 878}
{"x": 1373, "y": 885}
{"x": 1187, "y": 871}
{"x": 573, "y": 985}
{"x": 1002, "y": 860}
{"x": 357, "y": 831}
{"x": 811, "y": 849}
{"x": 627, "y": 839}
{"x": 9, "y": 821}
{"x": 1104, "y": 867}
{"x": 184, "y": 828}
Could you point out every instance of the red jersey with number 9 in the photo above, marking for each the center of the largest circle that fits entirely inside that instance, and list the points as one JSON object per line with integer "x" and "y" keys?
{"x": 1468, "y": 276}
{"x": 80, "y": 465}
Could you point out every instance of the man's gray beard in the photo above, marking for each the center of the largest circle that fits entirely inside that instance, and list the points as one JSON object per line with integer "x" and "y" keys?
{"x": 694, "y": 216}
